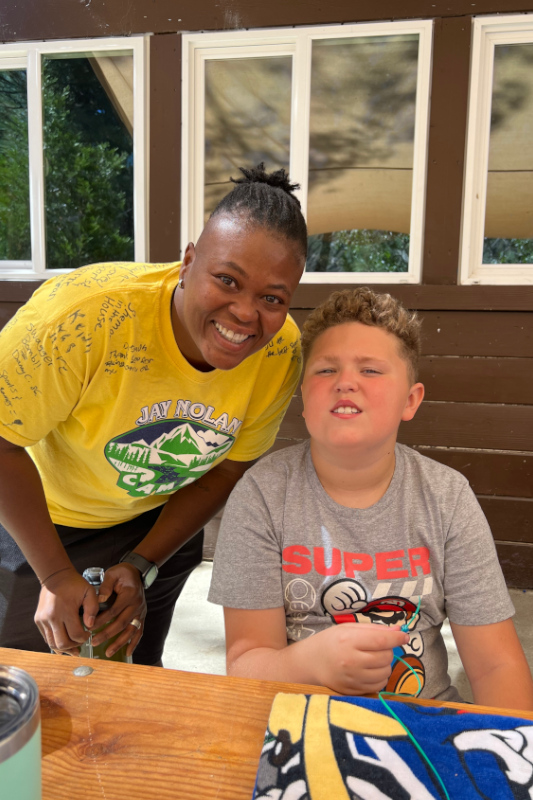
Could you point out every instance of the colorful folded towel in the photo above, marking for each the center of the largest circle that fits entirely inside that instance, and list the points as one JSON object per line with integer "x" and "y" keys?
{"x": 350, "y": 748}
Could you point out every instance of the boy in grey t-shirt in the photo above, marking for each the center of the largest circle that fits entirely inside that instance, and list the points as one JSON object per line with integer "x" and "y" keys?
{"x": 331, "y": 546}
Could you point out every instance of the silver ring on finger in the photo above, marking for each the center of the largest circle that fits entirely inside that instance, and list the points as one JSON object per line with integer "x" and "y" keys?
{"x": 137, "y": 623}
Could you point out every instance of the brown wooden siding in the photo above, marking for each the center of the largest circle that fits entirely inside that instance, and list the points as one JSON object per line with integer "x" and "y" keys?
{"x": 61, "y": 19}
{"x": 478, "y": 340}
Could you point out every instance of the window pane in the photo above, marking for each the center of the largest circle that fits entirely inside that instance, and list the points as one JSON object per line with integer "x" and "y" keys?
{"x": 509, "y": 210}
{"x": 247, "y": 119}
{"x": 363, "y": 94}
{"x": 88, "y": 158}
{"x": 15, "y": 242}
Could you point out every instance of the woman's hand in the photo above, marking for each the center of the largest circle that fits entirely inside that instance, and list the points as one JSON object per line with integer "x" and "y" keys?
{"x": 130, "y": 604}
{"x": 57, "y": 615}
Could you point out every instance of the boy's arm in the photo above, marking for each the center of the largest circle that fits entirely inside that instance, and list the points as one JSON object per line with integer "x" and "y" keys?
{"x": 495, "y": 664}
{"x": 349, "y": 658}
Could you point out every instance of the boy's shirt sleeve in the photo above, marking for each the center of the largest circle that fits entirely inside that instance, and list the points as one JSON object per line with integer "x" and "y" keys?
{"x": 272, "y": 396}
{"x": 43, "y": 368}
{"x": 474, "y": 585}
{"x": 247, "y": 562}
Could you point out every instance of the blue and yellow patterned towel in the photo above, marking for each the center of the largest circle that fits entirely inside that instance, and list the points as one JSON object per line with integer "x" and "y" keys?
{"x": 350, "y": 748}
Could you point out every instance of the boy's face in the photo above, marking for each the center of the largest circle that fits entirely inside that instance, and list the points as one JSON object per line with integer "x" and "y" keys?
{"x": 356, "y": 388}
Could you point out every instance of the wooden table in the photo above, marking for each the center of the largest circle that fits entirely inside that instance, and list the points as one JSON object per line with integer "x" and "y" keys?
{"x": 128, "y": 732}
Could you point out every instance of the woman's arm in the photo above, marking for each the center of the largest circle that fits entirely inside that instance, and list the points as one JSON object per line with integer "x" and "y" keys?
{"x": 24, "y": 513}
{"x": 185, "y": 513}
{"x": 189, "y": 509}
{"x": 495, "y": 664}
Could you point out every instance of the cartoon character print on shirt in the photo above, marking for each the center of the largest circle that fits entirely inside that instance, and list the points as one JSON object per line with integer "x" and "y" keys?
{"x": 300, "y": 597}
{"x": 345, "y": 600}
{"x": 164, "y": 456}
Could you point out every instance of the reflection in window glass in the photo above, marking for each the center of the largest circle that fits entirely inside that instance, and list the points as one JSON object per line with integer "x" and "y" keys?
{"x": 88, "y": 158}
{"x": 15, "y": 241}
{"x": 509, "y": 209}
{"x": 247, "y": 119}
{"x": 363, "y": 94}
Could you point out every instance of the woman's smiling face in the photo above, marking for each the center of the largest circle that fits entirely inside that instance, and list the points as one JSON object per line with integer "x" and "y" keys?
{"x": 237, "y": 286}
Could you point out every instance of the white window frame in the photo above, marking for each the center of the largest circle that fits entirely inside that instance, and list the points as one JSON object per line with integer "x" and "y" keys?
{"x": 487, "y": 33}
{"x": 297, "y": 42}
{"x": 27, "y": 55}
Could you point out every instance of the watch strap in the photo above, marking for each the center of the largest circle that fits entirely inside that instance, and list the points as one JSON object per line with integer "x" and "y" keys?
{"x": 142, "y": 564}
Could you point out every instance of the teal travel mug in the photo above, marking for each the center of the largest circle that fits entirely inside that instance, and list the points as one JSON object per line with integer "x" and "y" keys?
{"x": 20, "y": 735}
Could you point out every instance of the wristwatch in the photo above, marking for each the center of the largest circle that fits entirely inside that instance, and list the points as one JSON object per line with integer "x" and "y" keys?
{"x": 147, "y": 568}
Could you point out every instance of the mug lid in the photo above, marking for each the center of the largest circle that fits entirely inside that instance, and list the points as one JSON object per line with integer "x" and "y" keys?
{"x": 19, "y": 709}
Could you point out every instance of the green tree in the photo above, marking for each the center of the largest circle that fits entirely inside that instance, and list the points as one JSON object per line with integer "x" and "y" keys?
{"x": 15, "y": 242}
{"x": 88, "y": 181}
{"x": 88, "y": 169}
{"x": 358, "y": 251}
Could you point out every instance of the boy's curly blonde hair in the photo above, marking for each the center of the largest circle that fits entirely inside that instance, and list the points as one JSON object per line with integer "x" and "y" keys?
{"x": 370, "y": 308}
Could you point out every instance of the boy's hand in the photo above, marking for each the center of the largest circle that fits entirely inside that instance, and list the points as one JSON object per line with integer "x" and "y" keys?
{"x": 355, "y": 658}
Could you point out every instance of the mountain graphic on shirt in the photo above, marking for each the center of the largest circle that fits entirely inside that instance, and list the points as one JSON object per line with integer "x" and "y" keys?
{"x": 165, "y": 456}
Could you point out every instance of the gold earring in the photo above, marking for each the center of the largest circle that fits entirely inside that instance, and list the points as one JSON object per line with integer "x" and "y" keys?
{"x": 180, "y": 283}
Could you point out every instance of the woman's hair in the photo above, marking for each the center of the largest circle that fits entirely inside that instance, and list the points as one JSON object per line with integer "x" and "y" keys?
{"x": 370, "y": 308}
{"x": 267, "y": 199}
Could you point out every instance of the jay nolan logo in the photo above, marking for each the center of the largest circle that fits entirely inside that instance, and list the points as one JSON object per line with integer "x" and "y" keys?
{"x": 165, "y": 455}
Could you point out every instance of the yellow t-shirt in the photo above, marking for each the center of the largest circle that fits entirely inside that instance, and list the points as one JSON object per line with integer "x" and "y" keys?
{"x": 92, "y": 382}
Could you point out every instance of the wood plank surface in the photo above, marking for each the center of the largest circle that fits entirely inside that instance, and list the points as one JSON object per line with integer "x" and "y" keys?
{"x": 128, "y": 732}
{"x": 477, "y": 380}
{"x": 63, "y": 19}
{"x": 491, "y": 427}
{"x": 7, "y": 311}
{"x": 165, "y": 148}
{"x": 489, "y": 333}
{"x": 504, "y": 474}
{"x": 470, "y": 333}
{"x": 446, "y": 149}
{"x": 440, "y": 298}
{"x": 415, "y": 296}
{"x": 516, "y": 560}
{"x": 510, "y": 519}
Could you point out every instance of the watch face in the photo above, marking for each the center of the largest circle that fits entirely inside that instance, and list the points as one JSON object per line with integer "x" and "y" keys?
{"x": 149, "y": 576}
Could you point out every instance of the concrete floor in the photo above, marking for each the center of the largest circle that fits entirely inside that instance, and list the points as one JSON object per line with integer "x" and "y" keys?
{"x": 196, "y": 639}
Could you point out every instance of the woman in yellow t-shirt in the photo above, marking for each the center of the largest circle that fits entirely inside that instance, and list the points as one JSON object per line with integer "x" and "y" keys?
{"x": 134, "y": 398}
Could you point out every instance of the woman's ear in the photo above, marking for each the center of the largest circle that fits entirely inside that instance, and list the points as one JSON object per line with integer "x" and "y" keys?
{"x": 415, "y": 397}
{"x": 188, "y": 259}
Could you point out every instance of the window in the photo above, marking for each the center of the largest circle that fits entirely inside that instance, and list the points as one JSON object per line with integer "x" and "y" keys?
{"x": 344, "y": 109}
{"x": 71, "y": 155}
{"x": 497, "y": 237}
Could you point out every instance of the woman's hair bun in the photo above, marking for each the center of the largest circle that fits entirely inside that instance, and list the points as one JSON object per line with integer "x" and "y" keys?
{"x": 267, "y": 199}
{"x": 278, "y": 179}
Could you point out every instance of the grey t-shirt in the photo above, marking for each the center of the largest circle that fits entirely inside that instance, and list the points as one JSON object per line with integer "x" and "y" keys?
{"x": 285, "y": 542}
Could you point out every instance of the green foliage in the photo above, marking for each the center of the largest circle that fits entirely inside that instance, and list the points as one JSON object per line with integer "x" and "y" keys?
{"x": 15, "y": 243}
{"x": 88, "y": 169}
{"x": 358, "y": 251}
{"x": 508, "y": 251}
{"x": 88, "y": 182}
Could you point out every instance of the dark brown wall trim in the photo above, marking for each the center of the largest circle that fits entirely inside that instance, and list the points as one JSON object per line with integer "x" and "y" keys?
{"x": 65, "y": 19}
{"x": 165, "y": 147}
{"x": 427, "y": 298}
{"x": 460, "y": 298}
{"x": 447, "y": 127}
